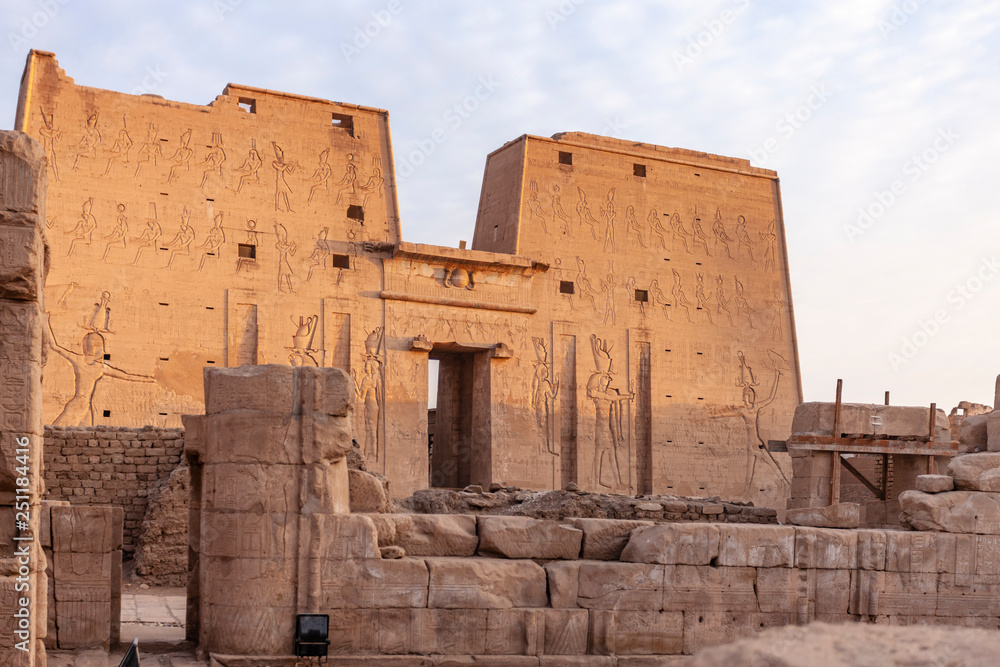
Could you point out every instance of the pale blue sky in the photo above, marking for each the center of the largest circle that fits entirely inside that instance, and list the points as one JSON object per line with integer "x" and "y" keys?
{"x": 848, "y": 92}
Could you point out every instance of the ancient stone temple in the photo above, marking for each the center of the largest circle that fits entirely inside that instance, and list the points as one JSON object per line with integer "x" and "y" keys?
{"x": 623, "y": 320}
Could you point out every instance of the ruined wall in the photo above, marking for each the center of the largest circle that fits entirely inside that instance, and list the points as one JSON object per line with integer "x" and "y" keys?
{"x": 107, "y": 465}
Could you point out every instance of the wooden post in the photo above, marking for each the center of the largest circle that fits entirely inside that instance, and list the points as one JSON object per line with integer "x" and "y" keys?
{"x": 931, "y": 422}
{"x": 887, "y": 398}
{"x": 835, "y": 455}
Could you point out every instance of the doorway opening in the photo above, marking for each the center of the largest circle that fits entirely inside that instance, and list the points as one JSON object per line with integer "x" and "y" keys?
{"x": 460, "y": 449}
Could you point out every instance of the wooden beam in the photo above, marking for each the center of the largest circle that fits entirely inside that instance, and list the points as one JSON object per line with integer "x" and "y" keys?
{"x": 861, "y": 478}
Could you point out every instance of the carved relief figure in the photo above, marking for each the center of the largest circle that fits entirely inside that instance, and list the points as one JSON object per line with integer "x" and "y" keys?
{"x": 722, "y": 300}
{"x": 83, "y": 233}
{"x": 749, "y": 412}
{"x": 583, "y": 213}
{"x": 250, "y": 169}
{"x": 214, "y": 159}
{"x": 216, "y": 237}
{"x": 89, "y": 367}
{"x": 370, "y": 392}
{"x": 319, "y": 254}
{"x": 460, "y": 278}
{"x": 285, "y": 248}
{"x": 742, "y": 307}
{"x": 720, "y": 234}
{"x": 535, "y": 206}
{"x": 770, "y": 239}
{"x": 701, "y": 300}
{"x": 700, "y": 237}
{"x": 321, "y": 177}
{"x": 120, "y": 149}
{"x": 680, "y": 299}
{"x": 181, "y": 157}
{"x": 586, "y": 288}
{"x": 50, "y": 137}
{"x": 181, "y": 243}
{"x": 777, "y": 307}
{"x": 281, "y": 189}
{"x": 744, "y": 237}
{"x": 610, "y": 454}
{"x": 253, "y": 240}
{"x": 657, "y": 295}
{"x": 374, "y": 183}
{"x": 558, "y": 212}
{"x": 543, "y": 397}
{"x": 149, "y": 236}
{"x": 86, "y": 147}
{"x": 631, "y": 224}
{"x": 608, "y": 215}
{"x": 302, "y": 342}
{"x": 149, "y": 150}
{"x": 116, "y": 239}
{"x": 678, "y": 231}
{"x": 349, "y": 182}
{"x": 608, "y": 287}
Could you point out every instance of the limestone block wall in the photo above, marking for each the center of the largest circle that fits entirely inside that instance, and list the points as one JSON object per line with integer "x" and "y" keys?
{"x": 106, "y": 465}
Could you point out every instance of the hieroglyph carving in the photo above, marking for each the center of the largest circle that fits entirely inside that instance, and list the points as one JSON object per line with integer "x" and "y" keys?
{"x": 544, "y": 391}
{"x": 286, "y": 249}
{"x": 149, "y": 236}
{"x": 281, "y": 188}
{"x": 610, "y": 453}
{"x": 213, "y": 243}
{"x": 118, "y": 236}
{"x": 371, "y": 393}
{"x": 303, "y": 353}
{"x": 214, "y": 159}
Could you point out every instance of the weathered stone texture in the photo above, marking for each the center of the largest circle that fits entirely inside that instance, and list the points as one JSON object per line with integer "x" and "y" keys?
{"x": 976, "y": 472}
{"x": 952, "y": 512}
{"x": 841, "y": 515}
{"x": 161, "y": 557}
{"x": 521, "y": 537}
{"x": 670, "y": 544}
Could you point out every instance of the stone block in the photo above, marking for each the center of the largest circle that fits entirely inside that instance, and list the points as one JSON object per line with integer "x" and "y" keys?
{"x": 515, "y": 631}
{"x": 449, "y": 631}
{"x": 817, "y": 419}
{"x": 86, "y": 528}
{"x": 246, "y": 435}
{"x": 83, "y": 624}
{"x": 442, "y": 535}
{"x": 889, "y": 593}
{"x": 273, "y": 629}
{"x": 636, "y": 632}
{"x": 564, "y": 582}
{"x": 264, "y": 388}
{"x": 523, "y": 537}
{"x": 976, "y": 472}
{"x": 973, "y": 433}
{"x": 376, "y": 583}
{"x": 566, "y": 631}
{"x": 236, "y": 487}
{"x": 840, "y": 515}
{"x": 706, "y": 588}
{"x": 393, "y": 528}
{"x": 747, "y": 545}
{"x": 673, "y": 544}
{"x": 909, "y": 551}
{"x": 959, "y": 595}
{"x": 355, "y": 631}
{"x": 871, "y": 549}
{"x": 579, "y": 661}
{"x": 935, "y": 483}
{"x": 712, "y": 628}
{"x": 952, "y": 512}
{"x": 604, "y": 539}
{"x": 826, "y": 548}
{"x": 260, "y": 581}
{"x": 620, "y": 586}
{"x": 236, "y": 535}
{"x": 45, "y": 521}
{"x": 485, "y": 583}
{"x": 366, "y": 492}
{"x": 82, "y": 576}
{"x": 346, "y": 536}
{"x": 993, "y": 431}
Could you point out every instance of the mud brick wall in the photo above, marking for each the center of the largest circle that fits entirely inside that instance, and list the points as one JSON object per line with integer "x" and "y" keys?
{"x": 107, "y": 465}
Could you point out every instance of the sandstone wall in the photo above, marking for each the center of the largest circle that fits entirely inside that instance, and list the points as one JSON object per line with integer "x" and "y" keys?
{"x": 106, "y": 465}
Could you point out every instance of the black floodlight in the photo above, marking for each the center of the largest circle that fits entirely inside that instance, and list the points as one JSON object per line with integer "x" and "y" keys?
{"x": 312, "y": 632}
{"x": 131, "y": 657}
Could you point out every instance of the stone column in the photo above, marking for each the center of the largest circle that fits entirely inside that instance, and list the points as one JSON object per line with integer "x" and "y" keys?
{"x": 22, "y": 277}
{"x": 268, "y": 466}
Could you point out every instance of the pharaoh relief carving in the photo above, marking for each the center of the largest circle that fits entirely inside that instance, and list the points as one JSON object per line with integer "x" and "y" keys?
{"x": 721, "y": 237}
{"x": 214, "y": 160}
{"x": 633, "y": 225}
{"x": 281, "y": 188}
{"x": 149, "y": 150}
{"x": 374, "y": 185}
{"x": 285, "y": 249}
{"x": 722, "y": 300}
{"x": 213, "y": 242}
{"x": 608, "y": 287}
{"x": 249, "y": 171}
{"x": 149, "y": 236}
{"x": 559, "y": 213}
{"x": 253, "y": 240}
{"x": 749, "y": 412}
{"x": 678, "y": 232}
{"x": 86, "y": 147}
{"x": 743, "y": 237}
{"x": 118, "y": 238}
{"x": 302, "y": 351}
{"x": 83, "y": 232}
{"x": 180, "y": 245}
{"x": 89, "y": 366}
{"x": 50, "y": 137}
{"x": 770, "y": 241}
{"x": 543, "y": 398}
{"x": 120, "y": 149}
{"x": 700, "y": 237}
{"x": 777, "y": 308}
{"x": 608, "y": 215}
{"x": 181, "y": 159}
{"x": 320, "y": 253}
{"x": 742, "y": 306}
{"x": 631, "y": 288}
{"x": 701, "y": 299}
{"x": 584, "y": 214}
{"x": 611, "y": 406}
{"x": 587, "y": 290}
{"x": 656, "y": 227}
{"x": 657, "y": 296}
{"x": 371, "y": 394}
{"x": 320, "y": 178}
{"x": 680, "y": 299}
{"x": 535, "y": 206}
{"x": 349, "y": 182}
